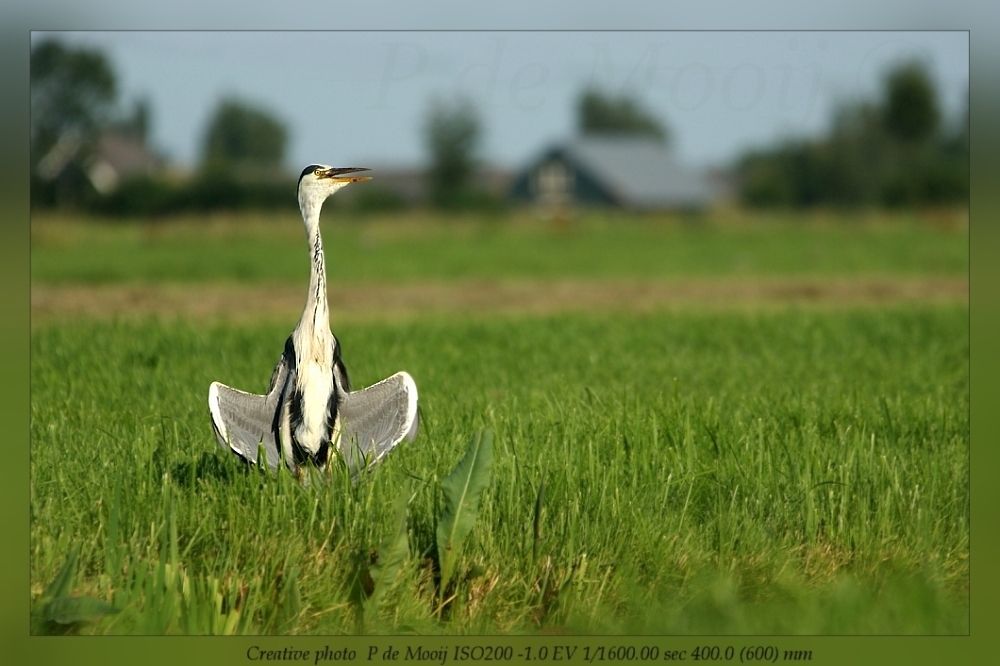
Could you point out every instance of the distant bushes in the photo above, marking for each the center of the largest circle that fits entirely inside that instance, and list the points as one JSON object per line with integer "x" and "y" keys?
{"x": 373, "y": 198}
{"x": 151, "y": 196}
{"x": 854, "y": 171}
{"x": 895, "y": 152}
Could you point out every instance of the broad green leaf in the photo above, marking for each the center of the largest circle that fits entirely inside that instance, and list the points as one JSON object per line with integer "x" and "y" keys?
{"x": 462, "y": 491}
{"x": 72, "y": 610}
{"x": 61, "y": 584}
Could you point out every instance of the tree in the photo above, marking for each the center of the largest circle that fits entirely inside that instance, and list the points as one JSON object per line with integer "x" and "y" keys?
{"x": 243, "y": 137}
{"x": 860, "y": 155}
{"x": 602, "y": 113}
{"x": 910, "y": 103}
{"x": 892, "y": 151}
{"x": 72, "y": 94}
{"x": 452, "y": 133}
{"x": 139, "y": 121}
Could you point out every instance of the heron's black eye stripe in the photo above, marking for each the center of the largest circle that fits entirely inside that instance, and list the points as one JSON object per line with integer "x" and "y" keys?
{"x": 308, "y": 170}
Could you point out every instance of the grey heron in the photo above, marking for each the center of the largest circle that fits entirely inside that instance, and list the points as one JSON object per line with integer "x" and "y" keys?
{"x": 309, "y": 407}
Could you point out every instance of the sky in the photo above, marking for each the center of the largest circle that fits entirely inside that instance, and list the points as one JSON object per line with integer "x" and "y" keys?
{"x": 360, "y": 98}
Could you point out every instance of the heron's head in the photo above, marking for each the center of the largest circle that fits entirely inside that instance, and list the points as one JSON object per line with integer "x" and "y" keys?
{"x": 319, "y": 181}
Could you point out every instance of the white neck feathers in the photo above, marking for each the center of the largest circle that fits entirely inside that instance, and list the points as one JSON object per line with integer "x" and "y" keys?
{"x": 315, "y": 322}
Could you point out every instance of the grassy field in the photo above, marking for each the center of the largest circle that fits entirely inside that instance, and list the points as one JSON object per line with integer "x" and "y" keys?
{"x": 267, "y": 249}
{"x": 780, "y": 470}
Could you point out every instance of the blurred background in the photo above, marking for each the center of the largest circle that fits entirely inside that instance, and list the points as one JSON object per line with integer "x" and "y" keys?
{"x": 158, "y": 123}
{"x": 162, "y": 158}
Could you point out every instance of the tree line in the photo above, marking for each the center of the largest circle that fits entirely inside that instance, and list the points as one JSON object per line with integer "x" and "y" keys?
{"x": 896, "y": 150}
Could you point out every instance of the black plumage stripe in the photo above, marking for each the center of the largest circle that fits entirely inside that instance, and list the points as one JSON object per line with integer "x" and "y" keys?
{"x": 322, "y": 455}
{"x": 288, "y": 358}
{"x": 300, "y": 454}
{"x": 308, "y": 170}
{"x": 338, "y": 363}
{"x": 317, "y": 259}
{"x": 332, "y": 406}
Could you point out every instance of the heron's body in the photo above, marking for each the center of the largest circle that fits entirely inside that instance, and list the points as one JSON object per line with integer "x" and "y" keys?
{"x": 309, "y": 406}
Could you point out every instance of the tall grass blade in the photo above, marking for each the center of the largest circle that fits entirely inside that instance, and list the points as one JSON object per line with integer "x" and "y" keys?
{"x": 536, "y": 523}
{"x": 392, "y": 552}
{"x": 462, "y": 491}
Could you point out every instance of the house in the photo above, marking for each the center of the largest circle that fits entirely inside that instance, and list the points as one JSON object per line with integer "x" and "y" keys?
{"x": 113, "y": 158}
{"x": 630, "y": 172}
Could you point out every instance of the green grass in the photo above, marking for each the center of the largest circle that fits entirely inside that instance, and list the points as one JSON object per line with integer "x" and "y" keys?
{"x": 780, "y": 472}
{"x": 417, "y": 247}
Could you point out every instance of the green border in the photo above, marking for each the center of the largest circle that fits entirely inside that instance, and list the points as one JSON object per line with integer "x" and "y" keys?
{"x": 53, "y": 14}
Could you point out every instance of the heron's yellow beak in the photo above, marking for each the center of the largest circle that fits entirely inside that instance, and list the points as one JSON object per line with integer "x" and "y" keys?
{"x": 344, "y": 174}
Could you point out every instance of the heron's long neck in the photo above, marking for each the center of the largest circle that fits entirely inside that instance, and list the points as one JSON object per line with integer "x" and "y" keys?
{"x": 315, "y": 316}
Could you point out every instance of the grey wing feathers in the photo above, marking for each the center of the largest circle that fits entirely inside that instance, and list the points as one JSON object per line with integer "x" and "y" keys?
{"x": 245, "y": 421}
{"x": 376, "y": 419}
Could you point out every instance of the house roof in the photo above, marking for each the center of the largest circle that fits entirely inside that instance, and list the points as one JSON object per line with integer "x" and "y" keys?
{"x": 640, "y": 172}
{"x": 115, "y": 156}
{"x": 127, "y": 155}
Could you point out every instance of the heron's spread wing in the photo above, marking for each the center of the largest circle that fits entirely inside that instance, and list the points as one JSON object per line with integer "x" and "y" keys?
{"x": 245, "y": 421}
{"x": 376, "y": 419}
